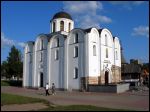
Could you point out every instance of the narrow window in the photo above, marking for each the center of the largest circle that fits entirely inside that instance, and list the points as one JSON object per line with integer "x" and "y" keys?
{"x": 76, "y": 38}
{"x": 75, "y": 73}
{"x": 41, "y": 56}
{"x": 116, "y": 55}
{"x": 106, "y": 52}
{"x": 69, "y": 27}
{"x": 56, "y": 55}
{"x": 30, "y": 58}
{"x": 61, "y": 25}
{"x": 94, "y": 50}
{"x": 106, "y": 40}
{"x": 76, "y": 51}
{"x": 53, "y": 26}
{"x": 57, "y": 42}
{"x": 42, "y": 45}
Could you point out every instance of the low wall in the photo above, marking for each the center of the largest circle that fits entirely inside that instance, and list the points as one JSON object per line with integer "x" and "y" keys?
{"x": 113, "y": 88}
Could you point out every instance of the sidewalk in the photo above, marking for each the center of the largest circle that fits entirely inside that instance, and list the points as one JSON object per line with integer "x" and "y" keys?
{"x": 23, "y": 107}
{"x": 137, "y": 100}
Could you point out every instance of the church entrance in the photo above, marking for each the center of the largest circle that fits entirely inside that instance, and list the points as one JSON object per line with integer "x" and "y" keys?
{"x": 106, "y": 77}
{"x": 41, "y": 79}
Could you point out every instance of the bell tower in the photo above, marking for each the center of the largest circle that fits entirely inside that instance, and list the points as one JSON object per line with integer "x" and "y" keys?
{"x": 61, "y": 21}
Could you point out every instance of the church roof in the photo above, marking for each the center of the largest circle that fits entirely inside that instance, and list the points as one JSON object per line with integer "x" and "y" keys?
{"x": 62, "y": 15}
{"x": 87, "y": 30}
{"x": 100, "y": 30}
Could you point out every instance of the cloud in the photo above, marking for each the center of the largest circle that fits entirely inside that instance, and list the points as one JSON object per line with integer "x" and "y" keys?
{"x": 127, "y": 4}
{"x": 5, "y": 42}
{"x": 141, "y": 31}
{"x": 86, "y": 13}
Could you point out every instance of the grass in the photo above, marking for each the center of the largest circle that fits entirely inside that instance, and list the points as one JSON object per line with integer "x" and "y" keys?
{"x": 11, "y": 83}
{"x": 7, "y": 99}
{"x": 79, "y": 108}
{"x": 16, "y": 99}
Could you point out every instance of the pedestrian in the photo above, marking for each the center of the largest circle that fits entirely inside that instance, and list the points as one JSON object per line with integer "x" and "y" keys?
{"x": 47, "y": 87}
{"x": 53, "y": 88}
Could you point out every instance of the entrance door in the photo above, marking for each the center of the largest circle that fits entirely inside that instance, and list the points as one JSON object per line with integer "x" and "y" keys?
{"x": 106, "y": 77}
{"x": 41, "y": 80}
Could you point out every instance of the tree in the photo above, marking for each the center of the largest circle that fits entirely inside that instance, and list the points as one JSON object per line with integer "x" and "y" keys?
{"x": 4, "y": 69}
{"x": 15, "y": 64}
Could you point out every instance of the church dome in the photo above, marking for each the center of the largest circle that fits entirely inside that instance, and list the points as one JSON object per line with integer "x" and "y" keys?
{"x": 62, "y": 15}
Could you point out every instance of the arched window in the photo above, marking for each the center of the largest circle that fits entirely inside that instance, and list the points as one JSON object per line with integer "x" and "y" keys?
{"x": 69, "y": 27}
{"x": 57, "y": 42}
{"x": 56, "y": 55}
{"x": 42, "y": 45}
{"x": 75, "y": 73}
{"x": 94, "y": 50}
{"x": 106, "y": 43}
{"x": 106, "y": 52}
{"x": 61, "y": 25}
{"x": 116, "y": 55}
{"x": 30, "y": 58}
{"x": 76, "y": 38}
{"x": 76, "y": 51}
{"x": 41, "y": 56}
{"x": 53, "y": 26}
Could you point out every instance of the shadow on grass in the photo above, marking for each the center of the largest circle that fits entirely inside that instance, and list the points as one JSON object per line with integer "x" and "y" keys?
{"x": 17, "y": 83}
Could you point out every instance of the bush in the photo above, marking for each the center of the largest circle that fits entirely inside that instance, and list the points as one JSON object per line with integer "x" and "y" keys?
{"x": 17, "y": 83}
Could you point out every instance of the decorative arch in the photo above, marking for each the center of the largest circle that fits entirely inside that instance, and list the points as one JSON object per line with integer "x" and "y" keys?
{"x": 61, "y": 25}
{"x": 109, "y": 37}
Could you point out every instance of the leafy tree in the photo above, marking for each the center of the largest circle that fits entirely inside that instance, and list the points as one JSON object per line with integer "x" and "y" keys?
{"x": 4, "y": 69}
{"x": 15, "y": 64}
{"x": 146, "y": 67}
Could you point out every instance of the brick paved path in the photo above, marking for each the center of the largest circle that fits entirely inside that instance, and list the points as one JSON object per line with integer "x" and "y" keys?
{"x": 137, "y": 100}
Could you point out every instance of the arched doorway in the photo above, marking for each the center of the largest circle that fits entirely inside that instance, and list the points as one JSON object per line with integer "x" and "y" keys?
{"x": 106, "y": 77}
{"x": 41, "y": 79}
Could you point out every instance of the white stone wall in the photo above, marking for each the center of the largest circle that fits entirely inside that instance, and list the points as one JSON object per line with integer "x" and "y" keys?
{"x": 93, "y": 60}
{"x": 75, "y": 62}
{"x": 40, "y": 66}
{"x": 106, "y": 63}
{"x": 28, "y": 65}
{"x": 117, "y": 48}
{"x": 56, "y": 67}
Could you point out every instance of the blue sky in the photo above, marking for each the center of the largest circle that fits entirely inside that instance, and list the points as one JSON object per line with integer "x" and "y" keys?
{"x": 23, "y": 21}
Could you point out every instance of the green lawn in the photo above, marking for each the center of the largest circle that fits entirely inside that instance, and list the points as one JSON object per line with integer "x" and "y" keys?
{"x": 16, "y": 99}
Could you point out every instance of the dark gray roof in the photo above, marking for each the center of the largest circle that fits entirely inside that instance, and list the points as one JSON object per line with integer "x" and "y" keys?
{"x": 131, "y": 68}
{"x": 100, "y": 30}
{"x": 88, "y": 30}
{"x": 62, "y": 15}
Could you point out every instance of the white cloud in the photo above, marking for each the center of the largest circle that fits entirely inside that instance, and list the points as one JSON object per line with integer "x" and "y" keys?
{"x": 85, "y": 13}
{"x": 127, "y": 4}
{"x": 141, "y": 31}
{"x": 5, "y": 42}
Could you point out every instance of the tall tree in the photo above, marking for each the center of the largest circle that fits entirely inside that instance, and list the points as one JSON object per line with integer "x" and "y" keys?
{"x": 15, "y": 64}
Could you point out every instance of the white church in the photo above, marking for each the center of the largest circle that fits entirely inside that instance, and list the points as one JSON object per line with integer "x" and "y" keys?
{"x": 72, "y": 58}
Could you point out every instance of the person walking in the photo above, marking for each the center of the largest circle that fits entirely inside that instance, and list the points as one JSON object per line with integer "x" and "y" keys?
{"x": 53, "y": 88}
{"x": 47, "y": 87}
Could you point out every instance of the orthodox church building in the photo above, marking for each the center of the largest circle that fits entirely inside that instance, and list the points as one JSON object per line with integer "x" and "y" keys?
{"x": 72, "y": 58}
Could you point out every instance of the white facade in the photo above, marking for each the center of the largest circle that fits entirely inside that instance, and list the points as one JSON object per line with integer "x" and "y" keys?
{"x": 72, "y": 58}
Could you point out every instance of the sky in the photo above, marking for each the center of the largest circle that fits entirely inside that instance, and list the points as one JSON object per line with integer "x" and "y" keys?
{"x": 23, "y": 21}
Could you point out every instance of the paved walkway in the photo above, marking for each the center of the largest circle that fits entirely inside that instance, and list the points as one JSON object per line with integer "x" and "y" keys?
{"x": 135, "y": 100}
{"x": 23, "y": 107}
